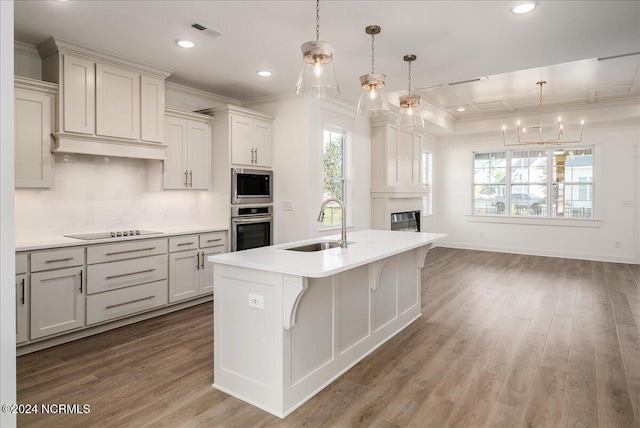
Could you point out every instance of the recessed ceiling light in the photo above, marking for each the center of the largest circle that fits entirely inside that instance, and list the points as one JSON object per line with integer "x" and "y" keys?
{"x": 264, "y": 73}
{"x": 525, "y": 7}
{"x": 187, "y": 44}
{"x": 461, "y": 109}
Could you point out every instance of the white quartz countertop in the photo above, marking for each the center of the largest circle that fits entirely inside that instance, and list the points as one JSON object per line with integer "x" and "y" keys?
{"x": 47, "y": 242}
{"x": 365, "y": 247}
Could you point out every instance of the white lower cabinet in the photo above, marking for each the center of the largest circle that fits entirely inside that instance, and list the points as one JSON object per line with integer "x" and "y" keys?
{"x": 57, "y": 301}
{"x": 126, "y": 301}
{"x": 135, "y": 281}
{"x": 70, "y": 289}
{"x": 189, "y": 273}
{"x": 22, "y": 299}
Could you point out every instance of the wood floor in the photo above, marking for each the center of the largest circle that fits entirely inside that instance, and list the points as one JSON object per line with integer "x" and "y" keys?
{"x": 504, "y": 341}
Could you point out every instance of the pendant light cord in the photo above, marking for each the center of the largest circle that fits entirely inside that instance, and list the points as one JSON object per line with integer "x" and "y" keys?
{"x": 373, "y": 47}
{"x": 409, "y": 77}
{"x": 317, "y": 20}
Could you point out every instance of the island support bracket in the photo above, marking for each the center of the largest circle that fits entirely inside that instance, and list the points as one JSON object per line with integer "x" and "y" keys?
{"x": 294, "y": 288}
{"x": 422, "y": 255}
{"x": 377, "y": 268}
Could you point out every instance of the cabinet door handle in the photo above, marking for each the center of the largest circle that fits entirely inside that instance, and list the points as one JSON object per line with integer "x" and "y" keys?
{"x": 66, "y": 259}
{"x": 130, "y": 273}
{"x": 214, "y": 240}
{"x": 130, "y": 251}
{"x": 202, "y": 267}
{"x": 190, "y": 178}
{"x": 81, "y": 281}
{"x": 22, "y": 298}
{"x": 185, "y": 243}
{"x": 185, "y": 178}
{"x": 256, "y": 155}
{"x": 197, "y": 261}
{"x": 130, "y": 301}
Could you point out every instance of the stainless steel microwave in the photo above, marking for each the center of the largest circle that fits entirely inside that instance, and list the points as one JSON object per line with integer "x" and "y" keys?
{"x": 251, "y": 186}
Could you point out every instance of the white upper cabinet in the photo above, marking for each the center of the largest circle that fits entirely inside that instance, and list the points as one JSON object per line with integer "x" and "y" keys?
{"x": 188, "y": 163}
{"x": 34, "y": 121}
{"x": 151, "y": 109}
{"x": 79, "y": 97}
{"x": 250, "y": 141}
{"x": 247, "y": 133}
{"x": 108, "y": 105}
{"x": 117, "y": 102}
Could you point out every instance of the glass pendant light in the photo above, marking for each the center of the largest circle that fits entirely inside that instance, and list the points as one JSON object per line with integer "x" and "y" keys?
{"x": 317, "y": 77}
{"x": 410, "y": 115}
{"x": 373, "y": 99}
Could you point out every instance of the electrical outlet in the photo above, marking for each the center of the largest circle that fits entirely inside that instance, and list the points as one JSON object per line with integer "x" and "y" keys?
{"x": 481, "y": 235}
{"x": 163, "y": 207}
{"x": 616, "y": 244}
{"x": 256, "y": 301}
{"x": 627, "y": 204}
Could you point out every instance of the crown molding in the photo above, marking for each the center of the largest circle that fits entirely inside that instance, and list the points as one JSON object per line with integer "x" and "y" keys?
{"x": 25, "y": 49}
{"x": 219, "y": 99}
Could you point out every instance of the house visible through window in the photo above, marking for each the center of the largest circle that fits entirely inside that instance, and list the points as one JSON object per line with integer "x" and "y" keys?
{"x": 553, "y": 182}
{"x": 334, "y": 174}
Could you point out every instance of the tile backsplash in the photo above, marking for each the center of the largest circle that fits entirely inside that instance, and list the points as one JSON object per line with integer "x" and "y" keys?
{"x": 96, "y": 193}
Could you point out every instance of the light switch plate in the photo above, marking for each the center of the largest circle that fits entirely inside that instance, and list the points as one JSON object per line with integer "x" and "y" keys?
{"x": 287, "y": 205}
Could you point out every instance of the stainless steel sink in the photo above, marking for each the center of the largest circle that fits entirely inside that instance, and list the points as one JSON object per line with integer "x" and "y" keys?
{"x": 315, "y": 246}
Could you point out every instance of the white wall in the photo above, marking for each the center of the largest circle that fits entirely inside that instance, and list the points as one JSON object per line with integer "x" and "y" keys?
{"x": 7, "y": 259}
{"x": 614, "y": 182}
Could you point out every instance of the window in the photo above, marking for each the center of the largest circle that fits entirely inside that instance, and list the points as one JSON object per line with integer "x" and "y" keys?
{"x": 334, "y": 174}
{"x": 553, "y": 182}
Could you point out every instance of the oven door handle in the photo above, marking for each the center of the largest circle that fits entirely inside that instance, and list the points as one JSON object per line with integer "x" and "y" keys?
{"x": 252, "y": 219}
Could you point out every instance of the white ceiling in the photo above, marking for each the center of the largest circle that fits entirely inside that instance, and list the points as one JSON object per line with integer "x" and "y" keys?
{"x": 454, "y": 41}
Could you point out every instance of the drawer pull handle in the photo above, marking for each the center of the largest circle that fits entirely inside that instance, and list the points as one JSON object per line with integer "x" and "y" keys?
{"x": 185, "y": 243}
{"x": 66, "y": 259}
{"x": 130, "y": 273}
{"x": 130, "y": 301}
{"x": 214, "y": 240}
{"x": 130, "y": 251}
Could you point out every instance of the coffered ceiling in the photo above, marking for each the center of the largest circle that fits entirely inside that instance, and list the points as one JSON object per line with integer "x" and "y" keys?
{"x": 498, "y": 55}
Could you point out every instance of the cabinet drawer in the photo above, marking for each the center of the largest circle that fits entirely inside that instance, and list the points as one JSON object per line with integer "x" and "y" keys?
{"x": 55, "y": 259}
{"x": 182, "y": 243}
{"x": 126, "y": 301}
{"x": 215, "y": 239}
{"x": 21, "y": 263}
{"x": 109, "y": 276}
{"x": 125, "y": 250}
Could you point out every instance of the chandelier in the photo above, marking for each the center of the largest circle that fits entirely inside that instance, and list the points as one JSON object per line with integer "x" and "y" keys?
{"x": 317, "y": 77}
{"x": 373, "y": 99}
{"x": 410, "y": 115}
{"x": 522, "y": 135}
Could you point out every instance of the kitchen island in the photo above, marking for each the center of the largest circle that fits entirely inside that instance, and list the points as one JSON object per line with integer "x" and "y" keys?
{"x": 288, "y": 322}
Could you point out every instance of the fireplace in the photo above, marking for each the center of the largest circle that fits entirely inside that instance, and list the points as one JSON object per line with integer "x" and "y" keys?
{"x": 407, "y": 221}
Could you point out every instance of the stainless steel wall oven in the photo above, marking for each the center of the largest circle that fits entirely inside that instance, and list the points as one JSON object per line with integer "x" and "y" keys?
{"x": 251, "y": 186}
{"x": 251, "y": 227}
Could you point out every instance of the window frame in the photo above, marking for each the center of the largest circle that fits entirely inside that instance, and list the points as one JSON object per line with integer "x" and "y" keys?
{"x": 508, "y": 216}
{"x": 345, "y": 171}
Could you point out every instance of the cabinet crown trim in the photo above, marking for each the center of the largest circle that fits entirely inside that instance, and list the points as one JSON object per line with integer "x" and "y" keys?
{"x": 54, "y": 45}
{"x": 231, "y": 109}
{"x": 37, "y": 85}
{"x": 187, "y": 115}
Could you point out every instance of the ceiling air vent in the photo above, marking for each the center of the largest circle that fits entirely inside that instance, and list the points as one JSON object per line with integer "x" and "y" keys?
{"x": 206, "y": 30}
